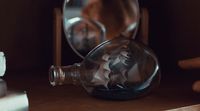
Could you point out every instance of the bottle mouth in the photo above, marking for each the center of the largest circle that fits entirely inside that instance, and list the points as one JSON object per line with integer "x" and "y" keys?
{"x": 52, "y": 76}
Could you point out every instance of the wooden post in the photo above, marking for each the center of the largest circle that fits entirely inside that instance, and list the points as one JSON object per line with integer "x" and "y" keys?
{"x": 144, "y": 26}
{"x": 57, "y": 38}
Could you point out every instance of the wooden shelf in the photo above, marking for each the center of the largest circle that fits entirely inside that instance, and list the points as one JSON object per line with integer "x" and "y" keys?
{"x": 43, "y": 97}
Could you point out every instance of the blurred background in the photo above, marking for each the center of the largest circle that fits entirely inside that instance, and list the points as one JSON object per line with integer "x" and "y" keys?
{"x": 26, "y": 33}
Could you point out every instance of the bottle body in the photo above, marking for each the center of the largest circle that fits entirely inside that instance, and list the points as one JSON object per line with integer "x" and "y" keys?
{"x": 117, "y": 69}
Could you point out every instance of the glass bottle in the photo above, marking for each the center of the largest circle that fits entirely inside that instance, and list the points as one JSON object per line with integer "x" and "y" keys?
{"x": 118, "y": 69}
{"x": 88, "y": 23}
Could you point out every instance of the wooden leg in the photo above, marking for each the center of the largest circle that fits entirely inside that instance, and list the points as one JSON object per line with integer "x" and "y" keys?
{"x": 144, "y": 26}
{"x": 57, "y": 36}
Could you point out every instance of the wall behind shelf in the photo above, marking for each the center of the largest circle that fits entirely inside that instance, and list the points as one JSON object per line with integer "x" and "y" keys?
{"x": 26, "y": 32}
{"x": 174, "y": 30}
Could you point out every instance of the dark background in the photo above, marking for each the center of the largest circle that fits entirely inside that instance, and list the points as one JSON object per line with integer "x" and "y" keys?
{"x": 26, "y": 32}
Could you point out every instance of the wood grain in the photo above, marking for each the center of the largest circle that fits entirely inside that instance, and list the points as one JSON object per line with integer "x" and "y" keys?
{"x": 57, "y": 36}
{"x": 43, "y": 97}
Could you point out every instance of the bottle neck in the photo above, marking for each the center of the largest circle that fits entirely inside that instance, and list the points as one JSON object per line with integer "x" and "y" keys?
{"x": 59, "y": 75}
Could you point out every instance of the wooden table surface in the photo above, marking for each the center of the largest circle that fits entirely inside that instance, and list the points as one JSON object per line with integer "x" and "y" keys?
{"x": 43, "y": 97}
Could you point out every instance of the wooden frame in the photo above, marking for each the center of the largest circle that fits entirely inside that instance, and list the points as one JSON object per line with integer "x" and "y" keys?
{"x": 57, "y": 44}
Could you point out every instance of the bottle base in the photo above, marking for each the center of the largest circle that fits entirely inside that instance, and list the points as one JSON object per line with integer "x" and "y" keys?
{"x": 118, "y": 94}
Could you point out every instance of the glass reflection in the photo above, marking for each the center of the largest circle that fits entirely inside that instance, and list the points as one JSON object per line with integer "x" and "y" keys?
{"x": 88, "y": 23}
